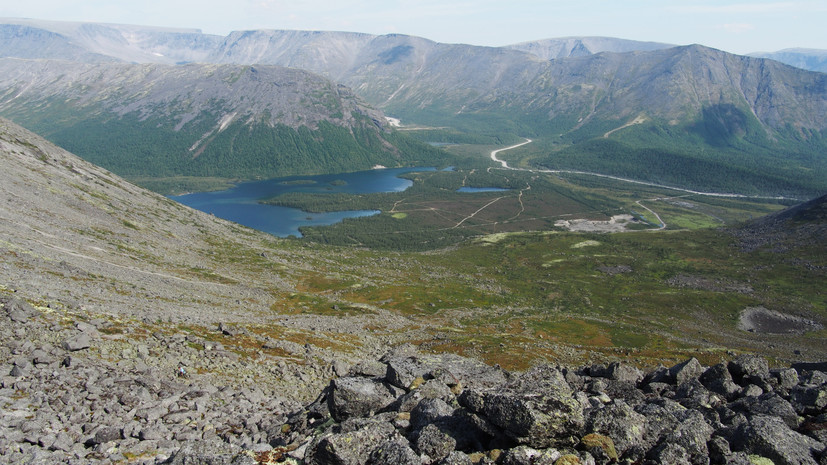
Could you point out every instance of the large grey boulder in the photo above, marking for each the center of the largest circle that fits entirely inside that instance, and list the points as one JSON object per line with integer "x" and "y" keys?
{"x": 395, "y": 451}
{"x": 524, "y": 455}
{"x": 408, "y": 371}
{"x": 538, "y": 409}
{"x": 688, "y": 370}
{"x": 434, "y": 443}
{"x": 809, "y": 399}
{"x": 209, "y": 453}
{"x": 456, "y": 458}
{"x": 749, "y": 368}
{"x": 661, "y": 419}
{"x": 718, "y": 379}
{"x": 768, "y": 404}
{"x": 623, "y": 372}
{"x": 351, "y": 447}
{"x": 77, "y": 342}
{"x": 620, "y": 422}
{"x": 428, "y": 411}
{"x": 771, "y": 438}
{"x": 18, "y": 310}
{"x": 358, "y": 397}
{"x": 692, "y": 434}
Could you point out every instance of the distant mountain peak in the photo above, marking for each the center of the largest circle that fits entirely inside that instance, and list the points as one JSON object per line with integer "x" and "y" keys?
{"x": 566, "y": 47}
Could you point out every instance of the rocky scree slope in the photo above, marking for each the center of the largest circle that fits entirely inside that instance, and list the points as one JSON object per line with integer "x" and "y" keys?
{"x": 795, "y": 227}
{"x": 63, "y": 406}
{"x": 183, "y": 93}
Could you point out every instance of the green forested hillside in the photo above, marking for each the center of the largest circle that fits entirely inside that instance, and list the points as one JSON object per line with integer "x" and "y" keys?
{"x": 143, "y": 149}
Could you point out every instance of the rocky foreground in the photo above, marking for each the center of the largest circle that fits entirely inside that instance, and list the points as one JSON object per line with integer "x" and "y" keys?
{"x": 60, "y": 405}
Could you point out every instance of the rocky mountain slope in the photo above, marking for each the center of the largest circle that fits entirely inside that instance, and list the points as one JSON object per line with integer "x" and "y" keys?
{"x": 85, "y": 246}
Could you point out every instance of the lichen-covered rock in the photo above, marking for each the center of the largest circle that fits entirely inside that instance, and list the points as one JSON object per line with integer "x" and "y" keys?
{"x": 749, "y": 368}
{"x": 661, "y": 418}
{"x": 524, "y": 455}
{"x": 434, "y": 443}
{"x": 428, "y": 411}
{"x": 77, "y": 342}
{"x": 207, "y": 453}
{"x": 395, "y": 451}
{"x": 349, "y": 448}
{"x": 537, "y": 409}
{"x": 693, "y": 394}
{"x": 770, "y": 437}
{"x": 787, "y": 377}
{"x": 18, "y": 310}
{"x": 809, "y": 399}
{"x": 456, "y": 458}
{"x": 768, "y": 404}
{"x": 620, "y": 422}
{"x": 599, "y": 446}
{"x": 670, "y": 453}
{"x": 451, "y": 369}
{"x": 683, "y": 372}
{"x": 568, "y": 459}
{"x": 718, "y": 379}
{"x": 692, "y": 434}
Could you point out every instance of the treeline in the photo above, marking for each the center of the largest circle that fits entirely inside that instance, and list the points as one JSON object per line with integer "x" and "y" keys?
{"x": 427, "y": 184}
{"x": 135, "y": 148}
{"x": 453, "y": 136}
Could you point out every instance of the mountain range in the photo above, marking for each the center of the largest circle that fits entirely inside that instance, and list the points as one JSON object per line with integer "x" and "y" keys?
{"x": 581, "y": 97}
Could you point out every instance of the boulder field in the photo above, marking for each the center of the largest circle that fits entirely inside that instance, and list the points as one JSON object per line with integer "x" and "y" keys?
{"x": 60, "y": 405}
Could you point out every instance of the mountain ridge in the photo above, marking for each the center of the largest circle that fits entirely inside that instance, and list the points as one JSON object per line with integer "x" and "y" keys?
{"x": 566, "y": 47}
{"x": 383, "y": 69}
{"x": 804, "y": 58}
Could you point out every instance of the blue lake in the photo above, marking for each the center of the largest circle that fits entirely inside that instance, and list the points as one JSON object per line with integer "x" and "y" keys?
{"x": 240, "y": 204}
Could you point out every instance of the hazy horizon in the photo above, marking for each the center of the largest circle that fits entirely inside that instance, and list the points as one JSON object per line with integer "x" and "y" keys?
{"x": 737, "y": 27}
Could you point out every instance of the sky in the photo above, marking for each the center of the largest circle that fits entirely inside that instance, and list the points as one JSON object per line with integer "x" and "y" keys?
{"x": 734, "y": 26}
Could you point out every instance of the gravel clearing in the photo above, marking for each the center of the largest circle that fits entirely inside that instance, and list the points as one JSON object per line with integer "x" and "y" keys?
{"x": 763, "y": 320}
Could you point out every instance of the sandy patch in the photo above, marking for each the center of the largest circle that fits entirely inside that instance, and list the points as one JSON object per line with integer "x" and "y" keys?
{"x": 764, "y": 320}
{"x": 580, "y": 245}
{"x": 615, "y": 224}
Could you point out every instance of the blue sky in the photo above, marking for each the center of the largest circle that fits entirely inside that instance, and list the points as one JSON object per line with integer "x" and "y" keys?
{"x": 734, "y": 26}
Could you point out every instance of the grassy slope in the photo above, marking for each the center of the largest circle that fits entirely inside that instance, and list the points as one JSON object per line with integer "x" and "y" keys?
{"x": 535, "y": 296}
